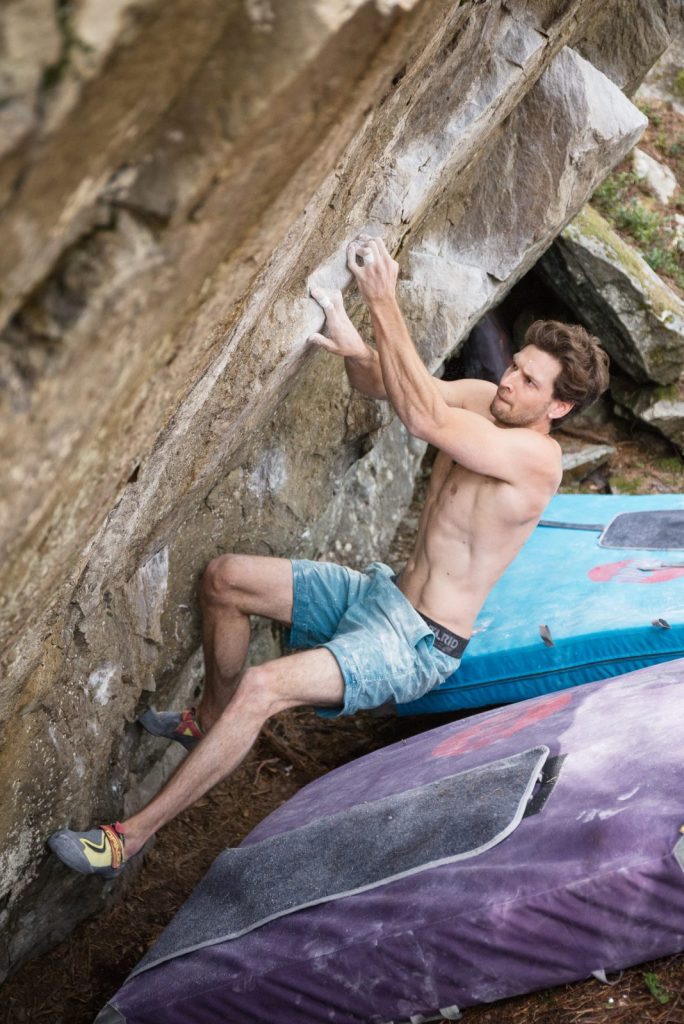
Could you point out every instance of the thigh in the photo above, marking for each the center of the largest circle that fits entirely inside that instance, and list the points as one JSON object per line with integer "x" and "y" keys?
{"x": 259, "y": 585}
{"x": 307, "y": 677}
{"x": 322, "y": 594}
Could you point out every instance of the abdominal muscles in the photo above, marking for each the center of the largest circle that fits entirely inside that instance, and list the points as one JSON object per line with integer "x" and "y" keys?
{"x": 471, "y": 528}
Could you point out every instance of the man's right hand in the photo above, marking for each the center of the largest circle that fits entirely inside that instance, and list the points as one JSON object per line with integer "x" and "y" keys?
{"x": 344, "y": 339}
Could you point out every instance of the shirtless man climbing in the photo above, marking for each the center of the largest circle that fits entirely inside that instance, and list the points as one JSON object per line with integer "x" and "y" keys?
{"x": 368, "y": 638}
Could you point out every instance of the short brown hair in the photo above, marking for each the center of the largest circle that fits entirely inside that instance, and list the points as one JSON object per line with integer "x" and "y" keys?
{"x": 583, "y": 375}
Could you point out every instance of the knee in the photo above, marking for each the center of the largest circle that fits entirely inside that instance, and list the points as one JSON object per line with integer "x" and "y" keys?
{"x": 259, "y": 689}
{"x": 222, "y": 579}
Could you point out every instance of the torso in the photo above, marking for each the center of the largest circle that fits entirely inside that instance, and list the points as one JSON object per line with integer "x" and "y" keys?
{"x": 471, "y": 528}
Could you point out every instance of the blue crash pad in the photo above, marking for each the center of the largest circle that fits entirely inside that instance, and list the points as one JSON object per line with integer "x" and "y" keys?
{"x": 604, "y": 610}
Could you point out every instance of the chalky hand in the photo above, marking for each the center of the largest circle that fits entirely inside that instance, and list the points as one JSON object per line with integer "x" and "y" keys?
{"x": 344, "y": 339}
{"x": 373, "y": 268}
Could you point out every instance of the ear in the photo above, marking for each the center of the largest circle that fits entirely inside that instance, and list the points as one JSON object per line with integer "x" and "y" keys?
{"x": 557, "y": 409}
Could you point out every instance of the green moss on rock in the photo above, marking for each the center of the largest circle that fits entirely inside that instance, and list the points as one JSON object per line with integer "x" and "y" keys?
{"x": 589, "y": 224}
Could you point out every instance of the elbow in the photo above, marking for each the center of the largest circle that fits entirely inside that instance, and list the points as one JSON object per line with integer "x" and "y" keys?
{"x": 422, "y": 426}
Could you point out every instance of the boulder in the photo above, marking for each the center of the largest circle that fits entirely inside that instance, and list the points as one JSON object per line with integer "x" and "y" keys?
{"x": 659, "y": 407}
{"x": 639, "y": 320}
{"x": 657, "y": 177}
{"x": 581, "y": 459}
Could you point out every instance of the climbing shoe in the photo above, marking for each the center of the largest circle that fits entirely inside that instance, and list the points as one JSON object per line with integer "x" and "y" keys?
{"x": 97, "y": 852}
{"x": 181, "y": 726}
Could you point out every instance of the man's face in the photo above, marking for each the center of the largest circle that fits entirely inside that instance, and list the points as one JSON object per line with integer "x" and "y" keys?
{"x": 525, "y": 394}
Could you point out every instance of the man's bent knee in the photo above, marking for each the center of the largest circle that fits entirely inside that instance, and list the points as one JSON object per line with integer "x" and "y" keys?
{"x": 223, "y": 578}
{"x": 261, "y": 689}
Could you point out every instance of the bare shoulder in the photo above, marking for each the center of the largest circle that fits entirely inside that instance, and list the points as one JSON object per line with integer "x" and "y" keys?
{"x": 545, "y": 452}
{"x": 468, "y": 393}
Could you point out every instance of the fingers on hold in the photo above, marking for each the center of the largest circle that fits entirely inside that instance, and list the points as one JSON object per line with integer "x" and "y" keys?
{"x": 319, "y": 339}
{"x": 321, "y": 297}
{"x": 352, "y": 253}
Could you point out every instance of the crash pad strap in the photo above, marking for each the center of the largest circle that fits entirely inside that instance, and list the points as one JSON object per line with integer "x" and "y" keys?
{"x": 364, "y": 846}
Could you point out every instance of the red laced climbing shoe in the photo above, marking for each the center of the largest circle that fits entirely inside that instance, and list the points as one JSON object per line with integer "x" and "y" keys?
{"x": 181, "y": 726}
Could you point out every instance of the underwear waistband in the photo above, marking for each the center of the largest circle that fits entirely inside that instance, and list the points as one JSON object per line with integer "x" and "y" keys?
{"x": 446, "y": 641}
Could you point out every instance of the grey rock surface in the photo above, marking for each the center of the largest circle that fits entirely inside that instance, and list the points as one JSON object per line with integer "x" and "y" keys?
{"x": 659, "y": 407}
{"x": 638, "y": 318}
{"x": 611, "y": 43}
{"x": 580, "y": 459}
{"x": 658, "y": 178}
{"x": 661, "y": 84}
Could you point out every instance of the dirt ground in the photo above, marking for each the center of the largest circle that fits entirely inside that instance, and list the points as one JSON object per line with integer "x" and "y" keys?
{"x": 71, "y": 984}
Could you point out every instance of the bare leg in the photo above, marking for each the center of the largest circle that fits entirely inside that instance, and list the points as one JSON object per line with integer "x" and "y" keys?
{"x": 233, "y": 588}
{"x": 310, "y": 677}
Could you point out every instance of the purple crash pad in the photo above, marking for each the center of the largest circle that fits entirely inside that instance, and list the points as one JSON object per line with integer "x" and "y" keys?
{"x": 592, "y": 878}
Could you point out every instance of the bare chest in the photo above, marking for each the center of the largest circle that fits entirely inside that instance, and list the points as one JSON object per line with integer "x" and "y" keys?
{"x": 465, "y": 501}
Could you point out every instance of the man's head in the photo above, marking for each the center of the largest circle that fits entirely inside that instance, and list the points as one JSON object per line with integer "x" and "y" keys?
{"x": 560, "y": 371}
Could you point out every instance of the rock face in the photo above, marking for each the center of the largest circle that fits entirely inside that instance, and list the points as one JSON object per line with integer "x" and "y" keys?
{"x": 160, "y": 402}
{"x": 611, "y": 43}
{"x": 657, "y": 177}
{"x": 581, "y": 459}
{"x": 658, "y": 407}
{"x": 638, "y": 318}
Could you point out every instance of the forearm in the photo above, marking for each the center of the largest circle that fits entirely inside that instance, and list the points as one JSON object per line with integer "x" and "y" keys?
{"x": 365, "y": 375}
{"x": 409, "y": 386}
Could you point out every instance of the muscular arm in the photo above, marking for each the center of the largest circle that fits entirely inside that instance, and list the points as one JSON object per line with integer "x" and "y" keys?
{"x": 362, "y": 363}
{"x": 468, "y": 437}
{"x": 365, "y": 375}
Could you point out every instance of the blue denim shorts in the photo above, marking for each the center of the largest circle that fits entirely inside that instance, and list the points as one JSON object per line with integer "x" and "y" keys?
{"x": 382, "y": 645}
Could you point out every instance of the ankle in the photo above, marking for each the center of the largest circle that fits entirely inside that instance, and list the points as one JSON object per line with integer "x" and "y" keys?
{"x": 206, "y": 716}
{"x": 133, "y": 840}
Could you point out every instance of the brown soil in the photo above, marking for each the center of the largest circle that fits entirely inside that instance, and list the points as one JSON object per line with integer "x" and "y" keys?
{"x": 71, "y": 984}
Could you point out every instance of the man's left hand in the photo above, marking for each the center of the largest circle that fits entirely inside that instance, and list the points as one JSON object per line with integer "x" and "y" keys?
{"x": 376, "y": 275}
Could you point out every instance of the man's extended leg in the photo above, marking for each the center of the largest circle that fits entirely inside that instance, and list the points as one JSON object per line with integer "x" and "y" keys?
{"x": 309, "y": 677}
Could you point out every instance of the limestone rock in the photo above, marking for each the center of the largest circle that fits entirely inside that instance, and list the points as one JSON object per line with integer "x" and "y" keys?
{"x": 638, "y": 318}
{"x": 661, "y": 407}
{"x": 657, "y": 177}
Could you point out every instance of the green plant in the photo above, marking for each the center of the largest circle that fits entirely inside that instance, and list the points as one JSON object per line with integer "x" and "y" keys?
{"x": 679, "y": 83}
{"x": 613, "y": 188}
{"x": 656, "y": 987}
{"x": 669, "y": 464}
{"x": 663, "y": 261}
{"x": 642, "y": 224}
